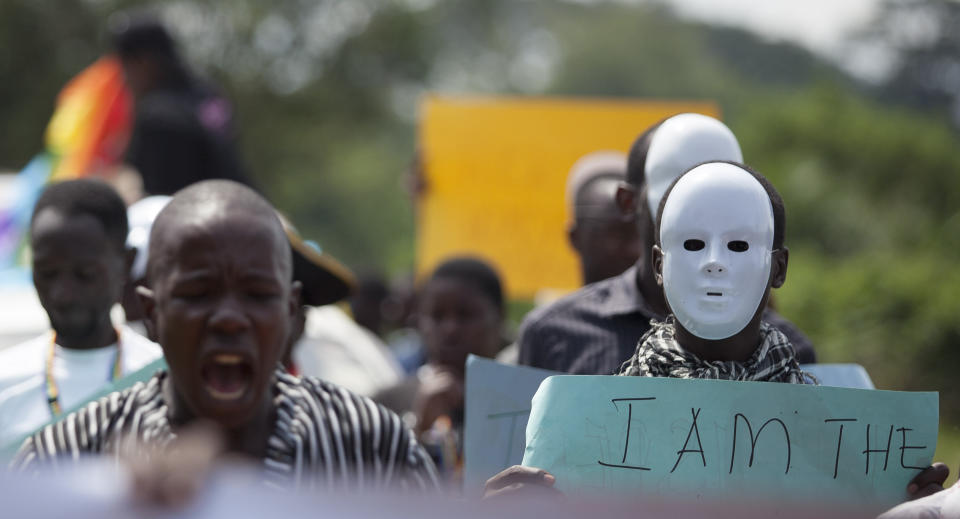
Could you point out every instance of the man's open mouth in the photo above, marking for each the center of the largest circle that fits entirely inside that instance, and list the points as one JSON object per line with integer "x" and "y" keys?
{"x": 226, "y": 376}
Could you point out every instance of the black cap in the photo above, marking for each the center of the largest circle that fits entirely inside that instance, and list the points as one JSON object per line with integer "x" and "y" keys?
{"x": 325, "y": 280}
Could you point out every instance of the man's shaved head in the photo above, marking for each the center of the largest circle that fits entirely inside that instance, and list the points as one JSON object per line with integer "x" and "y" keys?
{"x": 213, "y": 203}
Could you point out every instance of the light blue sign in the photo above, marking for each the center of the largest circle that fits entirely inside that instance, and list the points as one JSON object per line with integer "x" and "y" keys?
{"x": 840, "y": 375}
{"x": 711, "y": 438}
{"x": 498, "y": 405}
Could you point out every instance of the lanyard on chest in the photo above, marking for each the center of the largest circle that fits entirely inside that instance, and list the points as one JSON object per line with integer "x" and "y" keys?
{"x": 53, "y": 391}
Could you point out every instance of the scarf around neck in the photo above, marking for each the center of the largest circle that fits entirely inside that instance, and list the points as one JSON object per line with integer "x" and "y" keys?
{"x": 659, "y": 354}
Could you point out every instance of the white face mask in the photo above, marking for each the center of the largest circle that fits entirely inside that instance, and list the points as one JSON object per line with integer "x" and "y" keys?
{"x": 717, "y": 237}
{"x": 680, "y": 143}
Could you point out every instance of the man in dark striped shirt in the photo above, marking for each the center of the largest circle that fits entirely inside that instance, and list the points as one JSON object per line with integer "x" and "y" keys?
{"x": 221, "y": 302}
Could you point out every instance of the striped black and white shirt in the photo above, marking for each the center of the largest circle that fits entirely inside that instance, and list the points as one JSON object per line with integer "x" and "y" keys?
{"x": 325, "y": 437}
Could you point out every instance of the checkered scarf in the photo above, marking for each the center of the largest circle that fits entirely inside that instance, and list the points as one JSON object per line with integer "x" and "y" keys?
{"x": 659, "y": 355}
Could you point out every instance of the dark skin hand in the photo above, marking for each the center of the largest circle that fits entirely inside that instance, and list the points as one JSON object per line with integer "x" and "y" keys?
{"x": 440, "y": 393}
{"x": 929, "y": 481}
{"x": 172, "y": 479}
{"x": 519, "y": 482}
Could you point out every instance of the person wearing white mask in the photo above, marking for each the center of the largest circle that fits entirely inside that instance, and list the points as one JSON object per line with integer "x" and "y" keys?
{"x": 593, "y": 330}
{"x": 719, "y": 250}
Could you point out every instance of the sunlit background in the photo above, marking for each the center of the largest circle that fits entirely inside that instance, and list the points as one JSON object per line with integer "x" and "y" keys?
{"x": 850, "y": 107}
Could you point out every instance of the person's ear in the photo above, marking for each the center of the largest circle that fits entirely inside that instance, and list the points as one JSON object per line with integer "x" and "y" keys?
{"x": 148, "y": 302}
{"x": 657, "y": 257}
{"x": 573, "y": 236}
{"x": 778, "y": 267}
{"x": 297, "y": 325}
{"x": 294, "y": 302}
{"x": 626, "y": 199}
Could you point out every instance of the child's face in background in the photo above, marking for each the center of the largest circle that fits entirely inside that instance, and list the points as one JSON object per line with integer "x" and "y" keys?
{"x": 456, "y": 319}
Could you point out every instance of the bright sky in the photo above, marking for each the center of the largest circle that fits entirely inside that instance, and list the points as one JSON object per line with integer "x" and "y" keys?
{"x": 819, "y": 25}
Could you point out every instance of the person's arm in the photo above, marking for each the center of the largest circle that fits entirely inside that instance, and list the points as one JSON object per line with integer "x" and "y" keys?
{"x": 175, "y": 475}
{"x": 440, "y": 392}
{"x": 25, "y": 460}
{"x": 527, "y": 342}
{"x": 415, "y": 470}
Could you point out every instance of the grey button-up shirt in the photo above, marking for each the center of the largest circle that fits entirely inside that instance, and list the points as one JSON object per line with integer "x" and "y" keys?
{"x": 589, "y": 332}
{"x": 595, "y": 329}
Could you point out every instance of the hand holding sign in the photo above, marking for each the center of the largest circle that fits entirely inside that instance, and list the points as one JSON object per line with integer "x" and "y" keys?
{"x": 718, "y": 438}
{"x": 521, "y": 482}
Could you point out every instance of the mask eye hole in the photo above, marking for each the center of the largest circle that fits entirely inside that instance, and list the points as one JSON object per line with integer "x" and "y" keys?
{"x": 738, "y": 246}
{"x": 693, "y": 245}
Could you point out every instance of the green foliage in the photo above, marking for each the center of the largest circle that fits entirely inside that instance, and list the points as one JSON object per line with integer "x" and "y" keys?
{"x": 871, "y": 197}
{"x": 948, "y": 450}
{"x": 862, "y": 173}
{"x": 893, "y": 312}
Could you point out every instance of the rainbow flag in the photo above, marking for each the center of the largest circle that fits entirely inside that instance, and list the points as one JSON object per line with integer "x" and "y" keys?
{"x": 86, "y": 136}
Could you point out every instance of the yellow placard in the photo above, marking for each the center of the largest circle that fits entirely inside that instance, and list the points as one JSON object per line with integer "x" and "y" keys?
{"x": 496, "y": 169}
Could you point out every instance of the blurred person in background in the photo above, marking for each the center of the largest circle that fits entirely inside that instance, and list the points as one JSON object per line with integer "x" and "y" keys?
{"x": 367, "y": 301}
{"x": 595, "y": 329}
{"x": 78, "y": 234}
{"x": 672, "y": 145}
{"x": 400, "y": 317}
{"x": 324, "y": 341}
{"x": 460, "y": 312}
{"x": 183, "y": 130}
{"x": 140, "y": 216}
{"x": 606, "y": 242}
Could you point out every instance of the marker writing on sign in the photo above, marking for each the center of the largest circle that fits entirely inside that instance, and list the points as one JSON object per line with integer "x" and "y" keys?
{"x": 626, "y": 442}
{"x": 776, "y": 436}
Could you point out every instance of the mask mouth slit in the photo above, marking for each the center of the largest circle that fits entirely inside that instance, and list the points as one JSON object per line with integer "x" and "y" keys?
{"x": 718, "y": 294}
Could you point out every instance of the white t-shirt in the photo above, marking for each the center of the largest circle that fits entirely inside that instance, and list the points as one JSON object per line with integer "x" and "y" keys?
{"x": 336, "y": 349}
{"x": 79, "y": 374}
